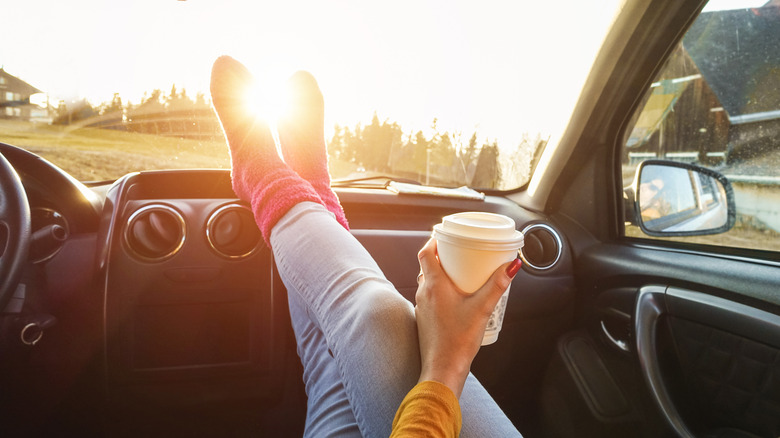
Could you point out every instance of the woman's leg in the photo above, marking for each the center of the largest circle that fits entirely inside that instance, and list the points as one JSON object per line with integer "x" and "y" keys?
{"x": 328, "y": 412}
{"x": 365, "y": 323}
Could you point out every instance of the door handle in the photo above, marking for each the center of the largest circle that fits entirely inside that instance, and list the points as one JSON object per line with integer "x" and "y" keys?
{"x": 614, "y": 340}
{"x": 650, "y": 307}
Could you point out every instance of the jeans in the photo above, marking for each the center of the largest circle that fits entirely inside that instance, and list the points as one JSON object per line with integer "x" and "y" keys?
{"x": 356, "y": 335}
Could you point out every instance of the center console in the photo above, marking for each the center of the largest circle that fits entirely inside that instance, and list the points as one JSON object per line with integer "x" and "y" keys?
{"x": 194, "y": 310}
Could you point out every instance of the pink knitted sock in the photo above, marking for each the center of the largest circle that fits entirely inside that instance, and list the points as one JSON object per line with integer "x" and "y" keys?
{"x": 258, "y": 175}
{"x": 301, "y": 132}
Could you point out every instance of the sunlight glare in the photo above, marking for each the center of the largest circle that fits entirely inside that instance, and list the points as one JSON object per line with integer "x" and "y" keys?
{"x": 267, "y": 103}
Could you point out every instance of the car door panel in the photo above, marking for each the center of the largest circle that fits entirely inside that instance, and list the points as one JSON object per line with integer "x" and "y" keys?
{"x": 742, "y": 279}
{"x": 690, "y": 338}
{"x": 729, "y": 376}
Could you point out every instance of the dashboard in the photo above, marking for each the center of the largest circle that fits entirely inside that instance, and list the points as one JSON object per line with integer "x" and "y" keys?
{"x": 188, "y": 310}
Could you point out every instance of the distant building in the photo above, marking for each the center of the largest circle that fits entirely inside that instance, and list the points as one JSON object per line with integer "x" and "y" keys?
{"x": 718, "y": 101}
{"x": 15, "y": 100}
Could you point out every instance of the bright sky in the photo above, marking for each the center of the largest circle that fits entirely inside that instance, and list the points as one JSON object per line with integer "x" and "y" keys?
{"x": 499, "y": 67}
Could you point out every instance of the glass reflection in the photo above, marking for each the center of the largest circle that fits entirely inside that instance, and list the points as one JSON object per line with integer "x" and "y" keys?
{"x": 678, "y": 199}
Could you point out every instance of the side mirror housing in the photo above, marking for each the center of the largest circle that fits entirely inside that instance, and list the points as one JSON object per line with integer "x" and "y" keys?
{"x": 680, "y": 199}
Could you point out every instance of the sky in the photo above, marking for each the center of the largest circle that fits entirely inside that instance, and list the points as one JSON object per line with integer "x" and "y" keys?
{"x": 502, "y": 68}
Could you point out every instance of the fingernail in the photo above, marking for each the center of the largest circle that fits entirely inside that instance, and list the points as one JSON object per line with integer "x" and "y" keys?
{"x": 513, "y": 267}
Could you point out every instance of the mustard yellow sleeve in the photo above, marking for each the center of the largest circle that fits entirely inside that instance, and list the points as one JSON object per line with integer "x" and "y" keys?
{"x": 430, "y": 409}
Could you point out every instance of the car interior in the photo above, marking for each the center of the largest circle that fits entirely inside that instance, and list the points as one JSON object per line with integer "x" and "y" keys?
{"x": 150, "y": 306}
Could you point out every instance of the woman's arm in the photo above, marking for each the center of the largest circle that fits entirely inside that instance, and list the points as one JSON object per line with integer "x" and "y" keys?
{"x": 450, "y": 326}
{"x": 431, "y": 410}
{"x": 450, "y": 322}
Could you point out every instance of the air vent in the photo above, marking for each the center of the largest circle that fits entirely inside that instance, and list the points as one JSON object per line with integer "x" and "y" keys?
{"x": 542, "y": 246}
{"x": 232, "y": 232}
{"x": 155, "y": 232}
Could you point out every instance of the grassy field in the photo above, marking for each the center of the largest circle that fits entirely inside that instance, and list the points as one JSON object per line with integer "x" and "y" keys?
{"x": 91, "y": 154}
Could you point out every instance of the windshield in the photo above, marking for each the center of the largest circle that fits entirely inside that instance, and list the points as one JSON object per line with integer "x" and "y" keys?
{"x": 443, "y": 93}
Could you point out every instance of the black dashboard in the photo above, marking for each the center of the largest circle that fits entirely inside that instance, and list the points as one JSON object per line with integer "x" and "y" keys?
{"x": 188, "y": 310}
{"x": 189, "y": 292}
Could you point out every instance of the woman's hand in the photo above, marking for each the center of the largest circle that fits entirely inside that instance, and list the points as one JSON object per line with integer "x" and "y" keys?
{"x": 450, "y": 322}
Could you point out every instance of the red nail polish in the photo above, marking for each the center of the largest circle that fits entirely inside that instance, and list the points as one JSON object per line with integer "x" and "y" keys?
{"x": 513, "y": 267}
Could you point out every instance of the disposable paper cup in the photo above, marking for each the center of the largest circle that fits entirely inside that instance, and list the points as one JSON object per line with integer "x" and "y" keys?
{"x": 471, "y": 246}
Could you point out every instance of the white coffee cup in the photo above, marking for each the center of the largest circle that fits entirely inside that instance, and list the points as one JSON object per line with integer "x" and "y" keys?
{"x": 471, "y": 246}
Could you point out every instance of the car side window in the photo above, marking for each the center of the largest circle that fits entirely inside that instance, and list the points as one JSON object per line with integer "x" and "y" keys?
{"x": 716, "y": 104}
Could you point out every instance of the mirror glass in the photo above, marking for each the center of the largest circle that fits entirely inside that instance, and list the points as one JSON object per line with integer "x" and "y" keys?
{"x": 679, "y": 199}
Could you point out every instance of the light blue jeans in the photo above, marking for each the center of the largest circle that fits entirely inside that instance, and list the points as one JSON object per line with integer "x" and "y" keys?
{"x": 356, "y": 335}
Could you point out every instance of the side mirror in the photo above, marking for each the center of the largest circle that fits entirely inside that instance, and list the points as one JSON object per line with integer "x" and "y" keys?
{"x": 680, "y": 199}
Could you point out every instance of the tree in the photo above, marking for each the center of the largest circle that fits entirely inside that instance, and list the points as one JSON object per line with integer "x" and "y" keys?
{"x": 467, "y": 156}
{"x": 488, "y": 173}
{"x": 77, "y": 111}
{"x": 442, "y": 159}
{"x": 420, "y": 155}
{"x": 336, "y": 145}
{"x": 178, "y": 100}
{"x": 378, "y": 141}
{"x": 154, "y": 102}
{"x": 200, "y": 100}
{"x": 114, "y": 107}
{"x": 352, "y": 144}
{"x": 371, "y": 149}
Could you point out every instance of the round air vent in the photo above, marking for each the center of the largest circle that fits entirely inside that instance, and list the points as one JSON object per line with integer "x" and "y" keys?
{"x": 155, "y": 232}
{"x": 542, "y": 247}
{"x": 232, "y": 232}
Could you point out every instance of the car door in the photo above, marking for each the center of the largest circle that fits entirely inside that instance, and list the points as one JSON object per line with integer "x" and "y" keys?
{"x": 674, "y": 334}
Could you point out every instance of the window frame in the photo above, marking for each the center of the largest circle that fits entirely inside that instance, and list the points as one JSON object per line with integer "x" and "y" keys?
{"x": 761, "y": 255}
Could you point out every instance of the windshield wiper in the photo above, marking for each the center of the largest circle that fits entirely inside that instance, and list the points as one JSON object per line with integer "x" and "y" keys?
{"x": 409, "y": 187}
{"x": 382, "y": 181}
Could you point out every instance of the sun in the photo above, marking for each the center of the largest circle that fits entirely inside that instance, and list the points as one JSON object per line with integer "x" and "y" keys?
{"x": 266, "y": 103}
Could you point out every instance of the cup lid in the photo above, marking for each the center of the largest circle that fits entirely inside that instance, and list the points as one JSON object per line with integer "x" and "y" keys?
{"x": 480, "y": 226}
